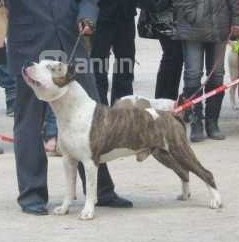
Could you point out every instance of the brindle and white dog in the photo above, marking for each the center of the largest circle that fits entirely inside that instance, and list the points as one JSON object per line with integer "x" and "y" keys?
{"x": 93, "y": 133}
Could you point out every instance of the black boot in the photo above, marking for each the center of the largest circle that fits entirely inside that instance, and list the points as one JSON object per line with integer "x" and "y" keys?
{"x": 197, "y": 134}
{"x": 195, "y": 116}
{"x": 213, "y": 108}
{"x": 213, "y": 130}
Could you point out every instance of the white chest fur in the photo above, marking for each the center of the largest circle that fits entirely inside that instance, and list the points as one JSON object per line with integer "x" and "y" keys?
{"x": 74, "y": 113}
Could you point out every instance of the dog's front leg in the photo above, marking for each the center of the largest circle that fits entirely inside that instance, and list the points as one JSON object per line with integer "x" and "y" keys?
{"x": 91, "y": 190}
{"x": 70, "y": 167}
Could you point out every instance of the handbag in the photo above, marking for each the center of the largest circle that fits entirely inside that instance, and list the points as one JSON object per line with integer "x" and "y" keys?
{"x": 151, "y": 25}
{"x": 3, "y": 21}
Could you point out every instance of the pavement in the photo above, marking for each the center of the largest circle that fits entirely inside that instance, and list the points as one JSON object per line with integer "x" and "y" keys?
{"x": 156, "y": 215}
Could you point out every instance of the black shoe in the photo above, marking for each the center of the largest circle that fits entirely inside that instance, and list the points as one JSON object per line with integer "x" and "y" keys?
{"x": 197, "y": 134}
{"x": 213, "y": 130}
{"x": 115, "y": 202}
{"x": 1, "y": 150}
{"x": 38, "y": 210}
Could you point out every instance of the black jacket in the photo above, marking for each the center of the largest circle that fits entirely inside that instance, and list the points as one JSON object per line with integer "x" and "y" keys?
{"x": 205, "y": 20}
{"x": 38, "y": 25}
{"x": 117, "y": 9}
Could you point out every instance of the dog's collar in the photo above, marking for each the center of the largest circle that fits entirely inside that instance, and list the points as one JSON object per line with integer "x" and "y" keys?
{"x": 63, "y": 91}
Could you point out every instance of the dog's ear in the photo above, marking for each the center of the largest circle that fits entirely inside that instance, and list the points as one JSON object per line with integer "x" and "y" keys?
{"x": 64, "y": 80}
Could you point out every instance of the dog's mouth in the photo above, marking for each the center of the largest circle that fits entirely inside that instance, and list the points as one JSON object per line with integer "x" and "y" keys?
{"x": 29, "y": 79}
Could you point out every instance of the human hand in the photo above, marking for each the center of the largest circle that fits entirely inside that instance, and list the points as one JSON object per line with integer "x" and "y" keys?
{"x": 86, "y": 27}
{"x": 235, "y": 31}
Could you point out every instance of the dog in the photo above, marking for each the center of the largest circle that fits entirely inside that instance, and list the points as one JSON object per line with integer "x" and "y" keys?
{"x": 233, "y": 66}
{"x": 93, "y": 134}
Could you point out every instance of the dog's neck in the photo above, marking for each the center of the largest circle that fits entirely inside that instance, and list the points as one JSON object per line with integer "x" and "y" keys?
{"x": 75, "y": 98}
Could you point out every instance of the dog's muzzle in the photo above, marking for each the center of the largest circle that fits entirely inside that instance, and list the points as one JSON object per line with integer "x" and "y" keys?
{"x": 25, "y": 75}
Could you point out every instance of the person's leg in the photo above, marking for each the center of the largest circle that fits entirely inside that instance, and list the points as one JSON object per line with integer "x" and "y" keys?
{"x": 9, "y": 84}
{"x": 102, "y": 43}
{"x": 215, "y": 53}
{"x": 31, "y": 160}
{"x": 170, "y": 69}
{"x": 50, "y": 130}
{"x": 124, "y": 50}
{"x": 193, "y": 54}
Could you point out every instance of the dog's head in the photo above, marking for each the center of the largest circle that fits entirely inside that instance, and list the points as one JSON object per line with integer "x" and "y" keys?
{"x": 48, "y": 78}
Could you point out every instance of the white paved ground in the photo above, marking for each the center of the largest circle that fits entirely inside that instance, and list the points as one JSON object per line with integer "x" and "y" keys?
{"x": 157, "y": 215}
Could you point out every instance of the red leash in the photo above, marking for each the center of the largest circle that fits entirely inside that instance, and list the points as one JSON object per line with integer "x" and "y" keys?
{"x": 214, "y": 92}
{"x": 6, "y": 138}
{"x": 179, "y": 109}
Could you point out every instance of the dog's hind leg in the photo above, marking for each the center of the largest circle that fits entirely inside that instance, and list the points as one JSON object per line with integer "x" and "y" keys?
{"x": 169, "y": 161}
{"x": 70, "y": 167}
{"x": 91, "y": 190}
{"x": 208, "y": 178}
{"x": 189, "y": 160}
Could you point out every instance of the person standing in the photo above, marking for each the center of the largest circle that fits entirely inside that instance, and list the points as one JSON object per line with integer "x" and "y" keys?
{"x": 115, "y": 30}
{"x": 204, "y": 28}
{"x": 156, "y": 22}
{"x": 36, "y": 26}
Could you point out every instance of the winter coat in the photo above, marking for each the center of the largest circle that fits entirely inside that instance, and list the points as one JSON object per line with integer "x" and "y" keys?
{"x": 204, "y": 20}
{"x": 35, "y": 26}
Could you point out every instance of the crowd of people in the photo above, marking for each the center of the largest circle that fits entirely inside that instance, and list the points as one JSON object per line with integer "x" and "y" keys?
{"x": 194, "y": 32}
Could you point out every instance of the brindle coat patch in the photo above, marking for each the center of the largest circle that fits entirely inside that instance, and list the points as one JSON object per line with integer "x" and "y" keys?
{"x": 133, "y": 128}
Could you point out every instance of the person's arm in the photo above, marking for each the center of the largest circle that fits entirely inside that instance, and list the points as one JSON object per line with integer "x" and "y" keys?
{"x": 87, "y": 16}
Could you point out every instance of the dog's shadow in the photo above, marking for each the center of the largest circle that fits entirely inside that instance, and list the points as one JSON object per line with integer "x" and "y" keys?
{"x": 141, "y": 203}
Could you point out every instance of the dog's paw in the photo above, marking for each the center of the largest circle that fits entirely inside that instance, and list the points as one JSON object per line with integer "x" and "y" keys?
{"x": 215, "y": 204}
{"x": 86, "y": 214}
{"x": 216, "y": 201}
{"x": 184, "y": 197}
{"x": 61, "y": 210}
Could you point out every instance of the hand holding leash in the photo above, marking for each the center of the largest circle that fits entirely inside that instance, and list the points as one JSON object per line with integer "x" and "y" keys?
{"x": 234, "y": 32}
{"x": 86, "y": 27}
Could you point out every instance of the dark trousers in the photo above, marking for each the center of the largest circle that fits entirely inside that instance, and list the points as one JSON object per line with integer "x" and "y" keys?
{"x": 120, "y": 36}
{"x": 170, "y": 69}
{"x": 31, "y": 160}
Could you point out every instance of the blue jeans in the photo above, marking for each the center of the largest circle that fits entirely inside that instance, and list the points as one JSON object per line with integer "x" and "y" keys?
{"x": 9, "y": 84}
{"x": 194, "y": 54}
{"x": 50, "y": 126}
